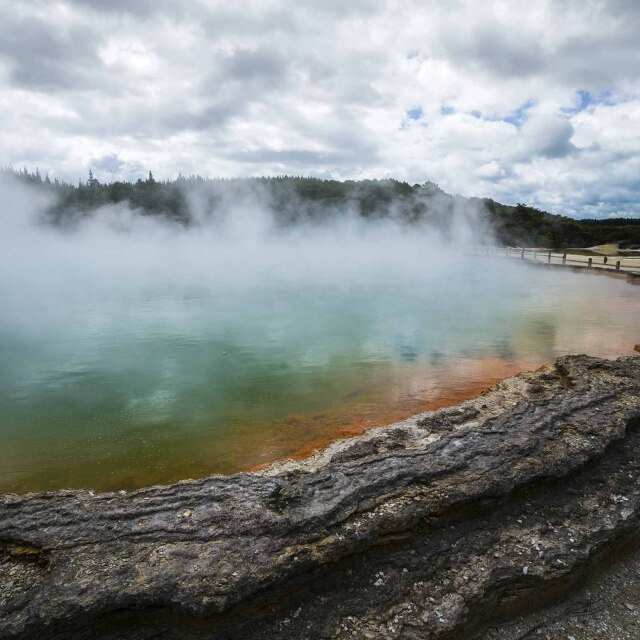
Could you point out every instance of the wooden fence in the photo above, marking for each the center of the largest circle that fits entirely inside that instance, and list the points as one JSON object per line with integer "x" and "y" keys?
{"x": 610, "y": 263}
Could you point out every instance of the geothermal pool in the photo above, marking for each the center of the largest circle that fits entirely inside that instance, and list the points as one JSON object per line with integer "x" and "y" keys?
{"x": 118, "y": 390}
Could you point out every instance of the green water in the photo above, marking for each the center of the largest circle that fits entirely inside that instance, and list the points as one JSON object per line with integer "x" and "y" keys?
{"x": 118, "y": 390}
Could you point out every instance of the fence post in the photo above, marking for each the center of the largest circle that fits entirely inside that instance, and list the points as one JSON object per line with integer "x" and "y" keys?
{"x": 564, "y": 258}
{"x": 590, "y": 261}
{"x": 535, "y": 256}
{"x": 617, "y": 265}
{"x": 549, "y": 258}
{"x": 522, "y": 254}
{"x": 605, "y": 260}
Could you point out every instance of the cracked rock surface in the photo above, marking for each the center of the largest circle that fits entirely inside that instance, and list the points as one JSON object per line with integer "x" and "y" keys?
{"x": 440, "y": 526}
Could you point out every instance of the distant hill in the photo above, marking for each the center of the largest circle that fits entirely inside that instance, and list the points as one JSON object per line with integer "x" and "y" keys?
{"x": 292, "y": 199}
{"x": 527, "y": 226}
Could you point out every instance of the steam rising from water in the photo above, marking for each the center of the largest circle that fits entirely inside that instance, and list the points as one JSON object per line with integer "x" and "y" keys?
{"x": 137, "y": 351}
{"x": 117, "y": 252}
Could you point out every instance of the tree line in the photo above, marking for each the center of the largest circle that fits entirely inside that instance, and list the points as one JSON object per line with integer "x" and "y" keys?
{"x": 292, "y": 199}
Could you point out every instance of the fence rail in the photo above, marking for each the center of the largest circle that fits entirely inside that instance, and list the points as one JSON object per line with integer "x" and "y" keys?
{"x": 608, "y": 263}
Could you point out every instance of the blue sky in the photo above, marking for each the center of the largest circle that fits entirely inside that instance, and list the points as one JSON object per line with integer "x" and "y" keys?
{"x": 518, "y": 101}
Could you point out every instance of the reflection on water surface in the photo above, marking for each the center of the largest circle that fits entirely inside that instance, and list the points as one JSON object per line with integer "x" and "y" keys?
{"x": 125, "y": 391}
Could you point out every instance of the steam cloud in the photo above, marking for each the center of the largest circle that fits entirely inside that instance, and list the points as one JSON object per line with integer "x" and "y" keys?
{"x": 237, "y": 245}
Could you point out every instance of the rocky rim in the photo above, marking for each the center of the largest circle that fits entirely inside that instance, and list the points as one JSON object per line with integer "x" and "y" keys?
{"x": 439, "y": 526}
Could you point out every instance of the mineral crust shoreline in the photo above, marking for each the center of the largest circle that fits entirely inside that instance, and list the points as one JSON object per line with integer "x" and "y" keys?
{"x": 440, "y": 526}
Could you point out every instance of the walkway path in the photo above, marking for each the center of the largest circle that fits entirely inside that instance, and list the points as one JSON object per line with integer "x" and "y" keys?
{"x": 609, "y": 263}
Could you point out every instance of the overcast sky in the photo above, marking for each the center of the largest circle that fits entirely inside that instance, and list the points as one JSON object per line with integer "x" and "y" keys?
{"x": 524, "y": 101}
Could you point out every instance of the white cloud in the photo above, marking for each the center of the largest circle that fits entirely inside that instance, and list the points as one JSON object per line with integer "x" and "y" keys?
{"x": 547, "y": 136}
{"x": 520, "y": 101}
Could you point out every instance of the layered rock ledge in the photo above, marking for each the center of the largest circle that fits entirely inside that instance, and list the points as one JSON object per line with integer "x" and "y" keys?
{"x": 434, "y": 527}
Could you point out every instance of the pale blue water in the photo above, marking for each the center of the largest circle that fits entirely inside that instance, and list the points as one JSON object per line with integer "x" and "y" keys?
{"x": 118, "y": 390}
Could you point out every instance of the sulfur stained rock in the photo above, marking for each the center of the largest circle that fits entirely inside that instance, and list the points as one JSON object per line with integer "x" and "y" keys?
{"x": 422, "y": 529}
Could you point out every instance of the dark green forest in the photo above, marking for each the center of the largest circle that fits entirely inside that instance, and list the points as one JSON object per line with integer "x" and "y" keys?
{"x": 293, "y": 199}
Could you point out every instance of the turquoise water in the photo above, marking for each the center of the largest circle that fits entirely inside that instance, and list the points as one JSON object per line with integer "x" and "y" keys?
{"x": 119, "y": 388}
